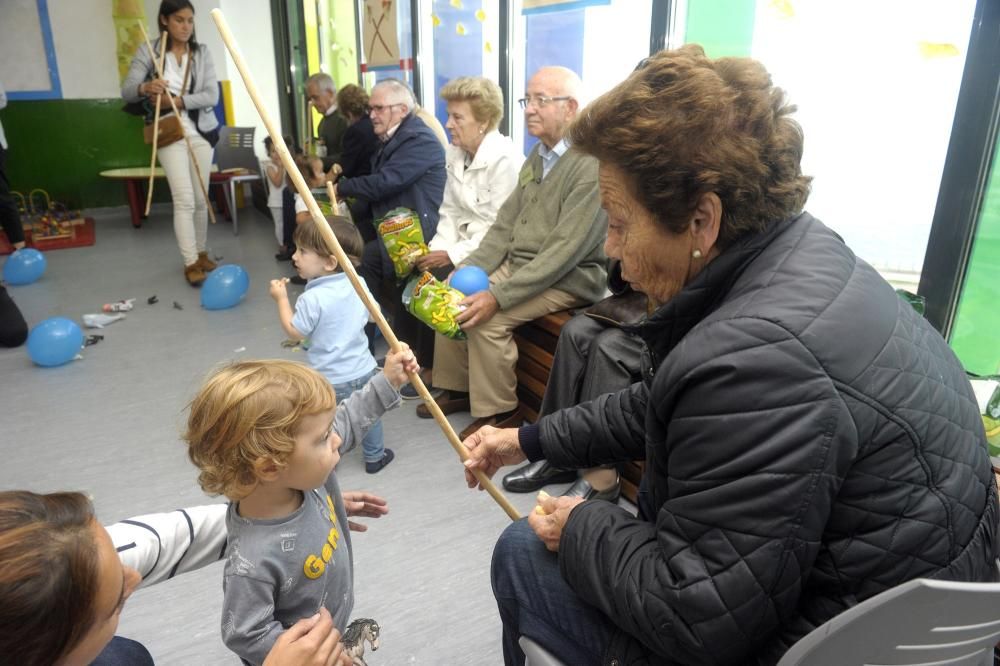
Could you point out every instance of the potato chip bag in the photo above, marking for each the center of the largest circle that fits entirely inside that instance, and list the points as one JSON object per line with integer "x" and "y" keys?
{"x": 434, "y": 303}
{"x": 404, "y": 239}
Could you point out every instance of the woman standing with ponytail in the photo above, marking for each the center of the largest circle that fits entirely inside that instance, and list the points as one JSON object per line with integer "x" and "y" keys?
{"x": 190, "y": 79}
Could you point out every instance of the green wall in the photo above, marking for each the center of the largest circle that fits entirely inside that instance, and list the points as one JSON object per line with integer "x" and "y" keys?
{"x": 61, "y": 146}
{"x": 975, "y": 336}
{"x": 722, "y": 27}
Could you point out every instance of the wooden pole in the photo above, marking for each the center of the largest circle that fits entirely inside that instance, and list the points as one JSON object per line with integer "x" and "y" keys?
{"x": 156, "y": 127}
{"x": 344, "y": 261}
{"x": 187, "y": 139}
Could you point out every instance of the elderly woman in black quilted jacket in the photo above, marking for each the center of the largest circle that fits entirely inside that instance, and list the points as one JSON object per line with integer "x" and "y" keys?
{"x": 810, "y": 441}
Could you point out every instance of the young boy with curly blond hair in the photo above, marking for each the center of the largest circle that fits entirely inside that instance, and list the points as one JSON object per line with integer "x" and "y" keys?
{"x": 267, "y": 435}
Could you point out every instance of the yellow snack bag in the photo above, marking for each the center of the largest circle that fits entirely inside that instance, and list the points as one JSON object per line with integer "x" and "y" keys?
{"x": 404, "y": 239}
{"x": 434, "y": 303}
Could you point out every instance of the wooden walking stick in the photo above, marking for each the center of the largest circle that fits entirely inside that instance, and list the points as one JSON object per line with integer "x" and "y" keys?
{"x": 156, "y": 127}
{"x": 342, "y": 259}
{"x": 187, "y": 139}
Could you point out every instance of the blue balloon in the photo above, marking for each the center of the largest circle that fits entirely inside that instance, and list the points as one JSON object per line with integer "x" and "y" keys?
{"x": 24, "y": 266}
{"x": 470, "y": 280}
{"x": 55, "y": 341}
{"x": 225, "y": 287}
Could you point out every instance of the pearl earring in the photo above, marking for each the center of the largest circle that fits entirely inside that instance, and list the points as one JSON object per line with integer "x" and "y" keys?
{"x": 696, "y": 254}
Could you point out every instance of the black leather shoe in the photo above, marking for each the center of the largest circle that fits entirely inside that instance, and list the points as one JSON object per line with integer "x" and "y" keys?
{"x": 534, "y": 476}
{"x": 582, "y": 488}
{"x": 285, "y": 255}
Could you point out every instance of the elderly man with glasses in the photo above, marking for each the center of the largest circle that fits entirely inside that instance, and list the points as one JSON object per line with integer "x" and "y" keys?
{"x": 408, "y": 171}
{"x": 544, "y": 253}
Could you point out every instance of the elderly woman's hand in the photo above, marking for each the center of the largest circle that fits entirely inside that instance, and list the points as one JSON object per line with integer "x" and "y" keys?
{"x": 479, "y": 309}
{"x": 550, "y": 516}
{"x": 311, "y": 641}
{"x": 490, "y": 449}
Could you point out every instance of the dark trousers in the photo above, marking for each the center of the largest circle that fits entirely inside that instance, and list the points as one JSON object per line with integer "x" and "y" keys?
{"x": 591, "y": 359}
{"x": 123, "y": 652}
{"x": 536, "y": 602}
{"x": 13, "y": 329}
{"x": 10, "y": 220}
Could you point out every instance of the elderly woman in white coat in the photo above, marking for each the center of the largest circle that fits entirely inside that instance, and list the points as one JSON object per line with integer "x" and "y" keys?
{"x": 482, "y": 167}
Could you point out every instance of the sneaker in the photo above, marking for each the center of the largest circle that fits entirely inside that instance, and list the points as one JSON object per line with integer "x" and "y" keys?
{"x": 376, "y": 467}
{"x": 409, "y": 392}
{"x": 194, "y": 274}
{"x": 206, "y": 264}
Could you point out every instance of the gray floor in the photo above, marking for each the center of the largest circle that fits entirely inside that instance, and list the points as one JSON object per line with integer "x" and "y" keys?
{"x": 108, "y": 425}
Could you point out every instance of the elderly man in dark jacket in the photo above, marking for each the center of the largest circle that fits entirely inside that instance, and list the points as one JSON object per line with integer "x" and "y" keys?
{"x": 408, "y": 171}
{"x": 810, "y": 441}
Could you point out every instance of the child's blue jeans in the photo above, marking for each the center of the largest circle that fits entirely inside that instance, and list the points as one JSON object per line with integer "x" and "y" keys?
{"x": 372, "y": 446}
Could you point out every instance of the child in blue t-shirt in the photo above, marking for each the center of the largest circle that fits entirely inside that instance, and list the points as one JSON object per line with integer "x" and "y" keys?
{"x": 333, "y": 319}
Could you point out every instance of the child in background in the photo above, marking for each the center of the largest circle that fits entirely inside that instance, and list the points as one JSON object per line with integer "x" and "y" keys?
{"x": 274, "y": 170}
{"x": 267, "y": 435}
{"x": 311, "y": 168}
{"x": 280, "y": 199}
{"x": 333, "y": 318}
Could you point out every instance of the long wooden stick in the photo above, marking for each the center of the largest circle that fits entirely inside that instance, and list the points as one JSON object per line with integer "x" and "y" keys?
{"x": 187, "y": 139}
{"x": 342, "y": 259}
{"x": 156, "y": 128}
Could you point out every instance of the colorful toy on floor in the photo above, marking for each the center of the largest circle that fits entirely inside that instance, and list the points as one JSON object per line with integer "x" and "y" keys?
{"x": 225, "y": 287}
{"x": 24, "y": 266}
{"x": 54, "y": 342}
{"x": 470, "y": 280}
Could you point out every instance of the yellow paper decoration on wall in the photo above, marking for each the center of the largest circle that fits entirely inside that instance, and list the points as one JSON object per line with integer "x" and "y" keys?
{"x": 460, "y": 29}
{"x": 784, "y": 8}
{"x": 457, "y": 4}
{"x": 487, "y": 46}
{"x": 937, "y": 50}
{"x": 480, "y": 15}
{"x": 435, "y": 20}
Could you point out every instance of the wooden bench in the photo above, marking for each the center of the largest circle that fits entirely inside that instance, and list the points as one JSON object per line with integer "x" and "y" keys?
{"x": 536, "y": 346}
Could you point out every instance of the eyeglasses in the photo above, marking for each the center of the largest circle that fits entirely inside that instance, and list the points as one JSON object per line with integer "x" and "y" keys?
{"x": 540, "y": 101}
{"x": 379, "y": 108}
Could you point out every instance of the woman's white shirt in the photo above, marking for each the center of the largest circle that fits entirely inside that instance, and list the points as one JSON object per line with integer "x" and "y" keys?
{"x": 173, "y": 74}
{"x": 273, "y": 191}
{"x": 474, "y": 193}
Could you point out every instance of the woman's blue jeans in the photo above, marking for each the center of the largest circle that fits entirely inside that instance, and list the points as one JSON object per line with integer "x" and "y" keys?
{"x": 536, "y": 602}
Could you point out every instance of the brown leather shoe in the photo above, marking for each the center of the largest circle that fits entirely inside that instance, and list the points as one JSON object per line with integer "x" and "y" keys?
{"x": 194, "y": 274}
{"x": 206, "y": 264}
{"x": 448, "y": 404}
{"x": 514, "y": 420}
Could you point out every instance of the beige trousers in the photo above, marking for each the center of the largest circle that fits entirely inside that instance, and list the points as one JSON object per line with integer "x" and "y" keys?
{"x": 484, "y": 365}
{"x": 190, "y": 209}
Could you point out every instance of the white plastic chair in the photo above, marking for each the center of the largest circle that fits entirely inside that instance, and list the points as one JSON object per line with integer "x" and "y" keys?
{"x": 535, "y": 654}
{"x": 922, "y": 622}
